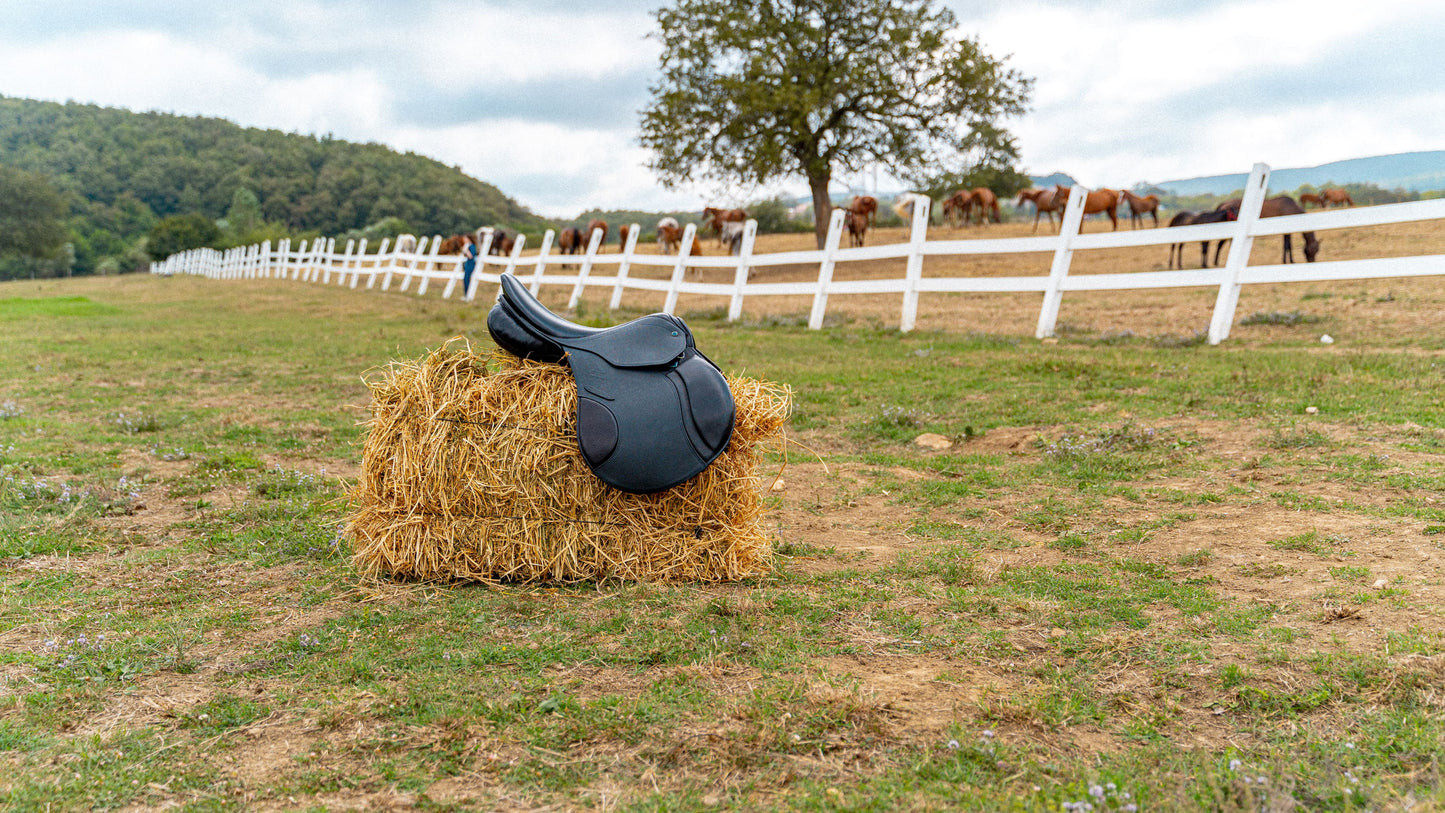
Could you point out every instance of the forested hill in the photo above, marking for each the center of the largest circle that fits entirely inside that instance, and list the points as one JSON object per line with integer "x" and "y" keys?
{"x": 120, "y": 171}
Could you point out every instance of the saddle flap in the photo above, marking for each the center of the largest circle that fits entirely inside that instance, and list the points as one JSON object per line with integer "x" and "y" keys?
{"x": 651, "y": 341}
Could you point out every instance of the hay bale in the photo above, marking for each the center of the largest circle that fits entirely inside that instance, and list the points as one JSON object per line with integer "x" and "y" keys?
{"x": 471, "y": 471}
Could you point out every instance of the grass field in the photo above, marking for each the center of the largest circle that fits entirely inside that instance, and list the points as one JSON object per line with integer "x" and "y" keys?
{"x": 1147, "y": 575}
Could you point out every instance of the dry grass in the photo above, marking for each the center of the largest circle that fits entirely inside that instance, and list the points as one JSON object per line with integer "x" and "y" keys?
{"x": 471, "y": 471}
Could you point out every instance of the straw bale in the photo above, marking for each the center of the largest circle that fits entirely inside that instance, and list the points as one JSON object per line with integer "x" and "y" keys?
{"x": 471, "y": 471}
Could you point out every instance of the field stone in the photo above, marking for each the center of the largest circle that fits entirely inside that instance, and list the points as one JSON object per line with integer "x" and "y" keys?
{"x": 1381, "y": 584}
{"x": 933, "y": 441}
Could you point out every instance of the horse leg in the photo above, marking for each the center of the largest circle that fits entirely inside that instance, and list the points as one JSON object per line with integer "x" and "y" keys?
{"x": 1288, "y": 250}
{"x": 1113, "y": 217}
{"x": 1155, "y": 213}
{"x": 1218, "y": 248}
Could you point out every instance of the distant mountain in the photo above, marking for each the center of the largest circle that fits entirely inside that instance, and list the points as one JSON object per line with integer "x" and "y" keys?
{"x": 1412, "y": 171}
{"x": 1045, "y": 181}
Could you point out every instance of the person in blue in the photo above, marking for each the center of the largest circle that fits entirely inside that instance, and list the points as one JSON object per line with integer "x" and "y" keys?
{"x": 469, "y": 264}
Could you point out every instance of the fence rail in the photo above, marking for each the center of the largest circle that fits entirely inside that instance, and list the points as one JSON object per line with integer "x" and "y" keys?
{"x": 319, "y": 262}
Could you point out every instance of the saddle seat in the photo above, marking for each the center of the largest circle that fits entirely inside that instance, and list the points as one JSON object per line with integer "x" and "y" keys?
{"x": 652, "y": 412}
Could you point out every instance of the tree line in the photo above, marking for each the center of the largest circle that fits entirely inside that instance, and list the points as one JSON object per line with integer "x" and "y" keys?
{"x": 87, "y": 189}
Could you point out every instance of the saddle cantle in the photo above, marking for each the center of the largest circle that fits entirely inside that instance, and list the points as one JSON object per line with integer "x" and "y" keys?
{"x": 651, "y": 410}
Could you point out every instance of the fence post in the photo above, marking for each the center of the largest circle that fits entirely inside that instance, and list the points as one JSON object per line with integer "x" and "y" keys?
{"x": 345, "y": 264}
{"x": 283, "y": 258}
{"x": 1063, "y": 255}
{"x": 541, "y": 261}
{"x": 594, "y": 242}
{"x": 624, "y": 267}
{"x": 1239, "y": 247}
{"x": 825, "y": 270}
{"x": 679, "y": 268}
{"x": 922, "y": 212}
{"x": 300, "y": 259}
{"x": 740, "y": 277}
{"x": 515, "y": 255}
{"x": 357, "y": 262}
{"x": 376, "y": 263}
{"x": 483, "y": 251}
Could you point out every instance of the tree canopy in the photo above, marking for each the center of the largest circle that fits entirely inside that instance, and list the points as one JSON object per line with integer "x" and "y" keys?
{"x": 754, "y": 91}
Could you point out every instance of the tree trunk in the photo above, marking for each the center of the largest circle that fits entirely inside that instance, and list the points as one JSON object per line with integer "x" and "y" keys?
{"x": 822, "y": 205}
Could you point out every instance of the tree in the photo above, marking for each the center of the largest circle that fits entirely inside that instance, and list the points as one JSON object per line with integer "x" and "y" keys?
{"x": 31, "y": 215}
{"x": 178, "y": 233}
{"x": 753, "y": 91}
{"x": 244, "y": 216}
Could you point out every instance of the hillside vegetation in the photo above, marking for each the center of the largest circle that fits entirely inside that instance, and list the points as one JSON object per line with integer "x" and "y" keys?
{"x": 120, "y": 173}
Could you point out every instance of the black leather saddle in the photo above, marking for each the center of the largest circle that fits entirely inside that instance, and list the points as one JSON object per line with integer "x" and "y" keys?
{"x": 651, "y": 410}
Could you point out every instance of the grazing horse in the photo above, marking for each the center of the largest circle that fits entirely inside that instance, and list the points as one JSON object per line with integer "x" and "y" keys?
{"x": 956, "y": 208}
{"x": 1140, "y": 206}
{"x": 571, "y": 242}
{"x": 866, "y": 205}
{"x": 1335, "y": 197}
{"x": 986, "y": 201}
{"x": 1280, "y": 206}
{"x": 596, "y": 225}
{"x": 1192, "y": 219}
{"x": 1306, "y": 199}
{"x": 622, "y": 232}
{"x": 669, "y": 235}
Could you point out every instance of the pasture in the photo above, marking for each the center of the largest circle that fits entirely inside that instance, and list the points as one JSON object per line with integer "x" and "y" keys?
{"x": 1147, "y": 575}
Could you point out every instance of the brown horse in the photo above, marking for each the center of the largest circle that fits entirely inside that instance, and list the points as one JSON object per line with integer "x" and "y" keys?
{"x": 1099, "y": 200}
{"x": 866, "y": 205}
{"x": 596, "y": 225}
{"x": 956, "y": 208}
{"x": 986, "y": 201}
{"x": 857, "y": 225}
{"x": 1140, "y": 206}
{"x": 571, "y": 242}
{"x": 622, "y": 232}
{"x": 1193, "y": 219}
{"x": 1306, "y": 199}
{"x": 669, "y": 235}
{"x": 453, "y": 244}
{"x": 1045, "y": 201}
{"x": 1280, "y": 207}
{"x": 1335, "y": 197}
{"x": 714, "y": 218}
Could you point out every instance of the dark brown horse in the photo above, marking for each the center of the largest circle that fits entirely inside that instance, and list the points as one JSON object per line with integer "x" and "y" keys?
{"x": 501, "y": 243}
{"x": 1280, "y": 206}
{"x": 1193, "y": 219}
{"x": 1140, "y": 206}
{"x": 596, "y": 225}
{"x": 571, "y": 241}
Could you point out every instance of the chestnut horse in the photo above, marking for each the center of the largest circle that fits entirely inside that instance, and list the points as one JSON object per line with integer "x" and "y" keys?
{"x": 986, "y": 201}
{"x": 596, "y": 225}
{"x": 622, "y": 232}
{"x": 1140, "y": 206}
{"x": 669, "y": 235}
{"x": 453, "y": 244}
{"x": 956, "y": 208}
{"x": 857, "y": 225}
{"x": 1335, "y": 197}
{"x": 1045, "y": 201}
{"x": 1306, "y": 199}
{"x": 1099, "y": 200}
{"x": 714, "y": 218}
{"x": 866, "y": 205}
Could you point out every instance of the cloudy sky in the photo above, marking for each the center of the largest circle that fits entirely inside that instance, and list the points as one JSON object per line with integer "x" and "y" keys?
{"x": 540, "y": 97}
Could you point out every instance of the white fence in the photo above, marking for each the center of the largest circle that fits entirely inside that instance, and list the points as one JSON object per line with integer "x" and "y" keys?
{"x": 320, "y": 263}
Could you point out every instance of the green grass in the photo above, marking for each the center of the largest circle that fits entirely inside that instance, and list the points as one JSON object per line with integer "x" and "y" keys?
{"x": 1038, "y": 621}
